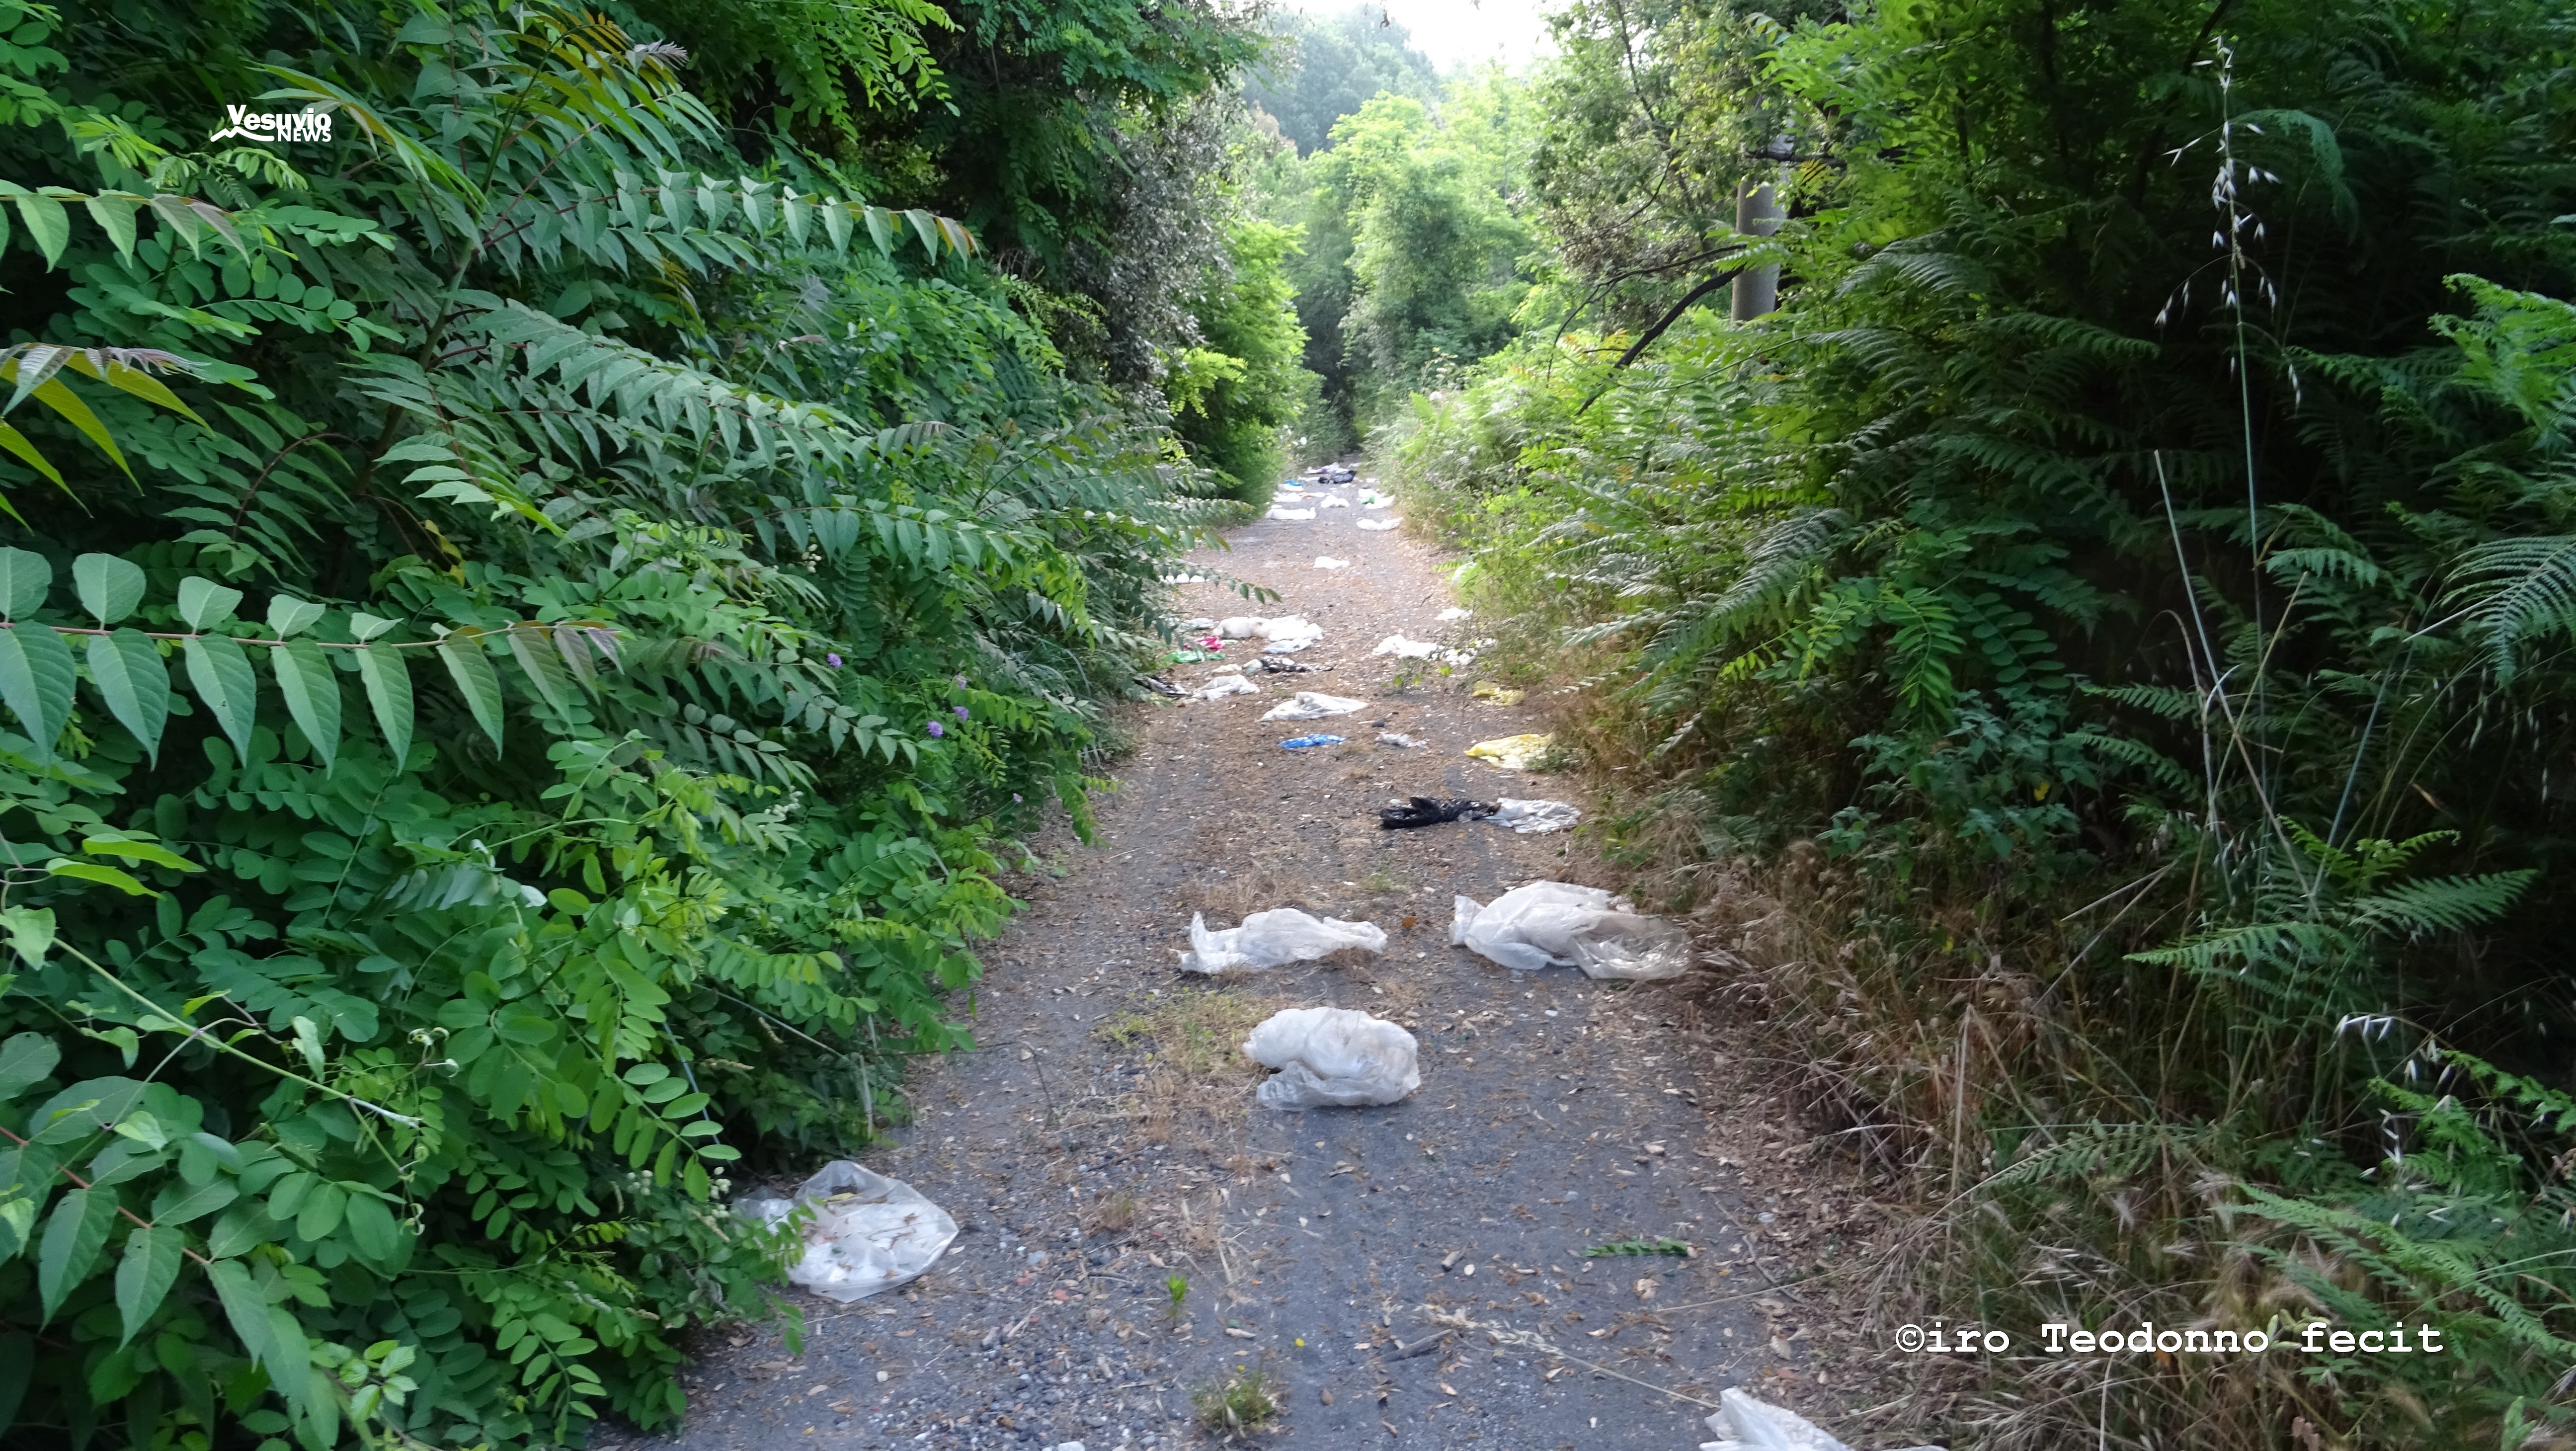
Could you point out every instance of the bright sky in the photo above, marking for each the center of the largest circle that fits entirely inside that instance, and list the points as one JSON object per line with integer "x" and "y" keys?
{"x": 1453, "y": 32}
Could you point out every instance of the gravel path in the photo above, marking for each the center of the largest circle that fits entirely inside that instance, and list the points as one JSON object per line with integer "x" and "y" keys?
{"x": 1103, "y": 1139}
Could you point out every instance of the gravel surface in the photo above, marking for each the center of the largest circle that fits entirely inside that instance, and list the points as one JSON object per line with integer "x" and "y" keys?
{"x": 1103, "y": 1140}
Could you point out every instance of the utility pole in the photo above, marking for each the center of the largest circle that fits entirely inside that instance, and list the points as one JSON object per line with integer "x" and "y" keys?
{"x": 1757, "y": 214}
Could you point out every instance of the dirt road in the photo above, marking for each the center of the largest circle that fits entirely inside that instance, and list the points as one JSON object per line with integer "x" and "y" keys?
{"x": 1103, "y": 1140}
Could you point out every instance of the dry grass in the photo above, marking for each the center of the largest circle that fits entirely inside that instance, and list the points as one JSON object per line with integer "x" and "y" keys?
{"x": 1196, "y": 1076}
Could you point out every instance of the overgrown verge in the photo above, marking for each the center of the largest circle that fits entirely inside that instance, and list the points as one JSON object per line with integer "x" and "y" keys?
{"x": 526, "y": 627}
{"x": 2138, "y": 666}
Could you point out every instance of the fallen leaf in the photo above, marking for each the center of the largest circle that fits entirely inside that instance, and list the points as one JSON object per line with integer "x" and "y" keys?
{"x": 1447, "y": 1389}
{"x": 1238, "y": 1334}
{"x": 1645, "y": 1289}
{"x": 1328, "y": 1398}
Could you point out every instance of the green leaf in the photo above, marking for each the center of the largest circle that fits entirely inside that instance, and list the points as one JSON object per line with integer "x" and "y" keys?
{"x": 17, "y": 1359}
{"x": 220, "y": 670}
{"x": 37, "y": 679}
{"x": 173, "y": 1207}
{"x": 31, "y": 932}
{"x": 321, "y": 1212}
{"x": 205, "y": 604}
{"x": 93, "y": 872}
{"x": 367, "y": 627}
{"x": 25, "y": 579}
{"x": 109, "y": 587}
{"x": 118, "y": 844}
{"x": 47, "y": 224}
{"x": 312, "y": 691}
{"x": 372, "y": 1226}
{"x": 115, "y": 216}
{"x": 73, "y": 1239}
{"x": 244, "y": 1306}
{"x": 475, "y": 678}
{"x": 388, "y": 682}
{"x": 533, "y": 647}
{"x": 144, "y": 1277}
{"x": 129, "y": 674}
{"x": 290, "y": 617}
{"x": 26, "y": 1058}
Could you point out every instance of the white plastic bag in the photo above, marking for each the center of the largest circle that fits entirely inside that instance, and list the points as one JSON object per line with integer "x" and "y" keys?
{"x": 1278, "y": 513}
{"x": 1267, "y": 939}
{"x": 1454, "y": 612}
{"x": 1326, "y": 561}
{"x": 1534, "y": 818}
{"x": 1404, "y": 649}
{"x": 1558, "y": 924}
{"x": 1381, "y": 523}
{"x": 1333, "y": 1058}
{"x": 868, "y": 1233}
{"x": 1225, "y": 685}
{"x": 1314, "y": 705}
{"x": 1335, "y": 501}
{"x": 1288, "y": 634}
{"x": 1745, "y": 1424}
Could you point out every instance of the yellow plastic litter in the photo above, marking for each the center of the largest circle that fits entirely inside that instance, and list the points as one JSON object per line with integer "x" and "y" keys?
{"x": 1488, "y": 690}
{"x": 1513, "y": 753}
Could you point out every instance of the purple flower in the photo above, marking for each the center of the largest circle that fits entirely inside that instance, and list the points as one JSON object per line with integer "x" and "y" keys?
{"x": 937, "y": 729}
{"x": 1015, "y": 796}
{"x": 961, "y": 711}
{"x": 961, "y": 682}
{"x": 832, "y": 660}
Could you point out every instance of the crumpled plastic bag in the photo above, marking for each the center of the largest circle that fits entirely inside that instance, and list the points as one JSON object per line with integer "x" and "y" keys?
{"x": 1225, "y": 685}
{"x": 1745, "y": 1424}
{"x": 868, "y": 1233}
{"x": 1381, "y": 524}
{"x": 1289, "y": 633}
{"x": 1498, "y": 694}
{"x": 1335, "y": 501}
{"x": 1454, "y": 612}
{"x": 1558, "y": 924}
{"x": 1268, "y": 939}
{"x": 1431, "y": 811}
{"x": 1313, "y": 705}
{"x": 1333, "y": 1058}
{"x": 1326, "y": 561}
{"x": 1404, "y": 649}
{"x": 1278, "y": 513}
{"x": 1535, "y": 818}
{"x": 1513, "y": 753}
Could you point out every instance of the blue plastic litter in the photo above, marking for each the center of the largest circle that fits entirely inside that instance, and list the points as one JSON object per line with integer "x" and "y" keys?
{"x": 1300, "y": 743}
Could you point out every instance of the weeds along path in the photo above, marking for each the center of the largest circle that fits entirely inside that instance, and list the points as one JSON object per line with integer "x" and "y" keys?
{"x": 1104, "y": 1138}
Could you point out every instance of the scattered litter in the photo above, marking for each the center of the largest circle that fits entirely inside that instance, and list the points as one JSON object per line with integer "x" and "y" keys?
{"x": 1284, "y": 633}
{"x": 1240, "y": 627}
{"x": 1535, "y": 818}
{"x": 1401, "y": 741}
{"x": 1459, "y": 657}
{"x": 1159, "y": 685}
{"x": 1278, "y": 513}
{"x": 1557, "y": 924}
{"x": 1225, "y": 685}
{"x": 1389, "y": 523}
{"x": 1336, "y": 501}
{"x": 1190, "y": 657}
{"x": 1427, "y": 811}
{"x": 1288, "y": 642}
{"x": 1203, "y": 624}
{"x": 1326, "y": 561}
{"x": 868, "y": 1233}
{"x": 1308, "y": 743}
{"x": 1276, "y": 666}
{"x": 1314, "y": 705}
{"x": 1380, "y": 502}
{"x": 1333, "y": 1058}
{"x": 1513, "y": 753}
{"x": 1267, "y": 939}
{"x": 1404, "y": 649}
{"x": 1745, "y": 1424}
{"x": 1454, "y": 612}
{"x": 1499, "y": 695}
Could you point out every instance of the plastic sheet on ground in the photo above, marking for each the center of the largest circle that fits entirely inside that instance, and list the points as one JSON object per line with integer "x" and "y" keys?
{"x": 1276, "y": 666}
{"x": 1333, "y": 1058}
{"x": 1308, "y": 743}
{"x": 1278, "y": 513}
{"x": 1745, "y": 1424}
{"x": 1558, "y": 924}
{"x": 1225, "y": 685}
{"x": 1513, "y": 753}
{"x": 1326, "y": 561}
{"x": 1535, "y": 818}
{"x": 868, "y": 1233}
{"x": 1382, "y": 501}
{"x": 1404, "y": 649}
{"x": 1314, "y": 705}
{"x": 1454, "y": 612}
{"x": 1400, "y": 740}
{"x": 1498, "y": 694}
{"x": 1268, "y": 939}
{"x": 1381, "y": 523}
{"x": 1290, "y": 633}
{"x": 1198, "y": 626}
{"x": 1335, "y": 501}
{"x": 1431, "y": 811}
